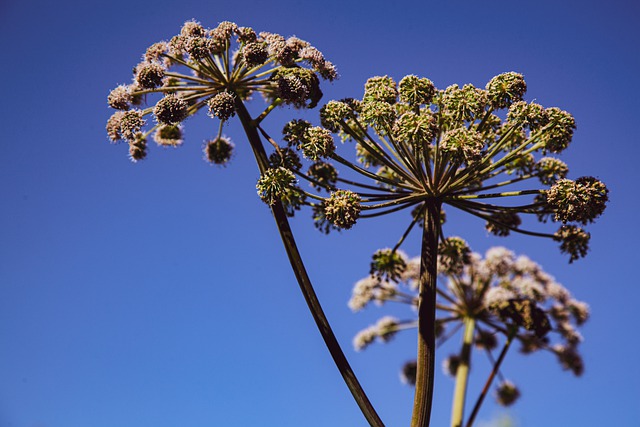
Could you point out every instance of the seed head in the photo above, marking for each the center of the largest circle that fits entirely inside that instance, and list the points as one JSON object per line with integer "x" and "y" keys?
{"x": 149, "y": 75}
{"x": 120, "y": 98}
{"x": 333, "y": 113}
{"x": 274, "y": 184}
{"x": 364, "y": 338}
{"x": 506, "y": 88}
{"x": 409, "y": 372}
{"x": 138, "y": 148}
{"x": 168, "y": 135}
{"x": 453, "y": 254}
{"x": 342, "y": 208}
{"x": 325, "y": 175}
{"x": 558, "y": 137}
{"x": 501, "y": 223}
{"x": 380, "y": 89}
{"x": 507, "y": 393}
{"x": 388, "y": 264}
{"x": 463, "y": 145}
{"x": 113, "y": 126}
{"x": 582, "y": 200}
{"x": 222, "y": 106}
{"x": 416, "y": 91}
{"x": 416, "y": 129}
{"x": 255, "y": 54}
{"x": 317, "y": 143}
{"x": 171, "y": 110}
{"x": 130, "y": 123}
{"x": 246, "y": 35}
{"x": 573, "y": 241}
{"x": 295, "y": 131}
{"x": 450, "y": 365}
{"x": 569, "y": 359}
{"x": 192, "y": 29}
{"x": 530, "y": 115}
{"x": 218, "y": 151}
{"x": 550, "y": 170}
{"x": 285, "y": 157}
{"x": 463, "y": 104}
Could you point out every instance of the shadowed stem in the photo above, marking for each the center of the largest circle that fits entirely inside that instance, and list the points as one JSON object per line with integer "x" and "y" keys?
{"x": 494, "y": 371}
{"x": 427, "y": 316}
{"x": 462, "y": 374}
{"x": 251, "y": 130}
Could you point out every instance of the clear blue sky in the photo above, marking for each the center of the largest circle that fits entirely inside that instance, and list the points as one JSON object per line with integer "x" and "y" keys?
{"x": 158, "y": 294}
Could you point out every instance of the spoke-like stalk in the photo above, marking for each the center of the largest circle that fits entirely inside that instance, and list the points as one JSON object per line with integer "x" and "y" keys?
{"x": 496, "y": 369}
{"x": 462, "y": 374}
{"x": 303, "y": 279}
{"x": 427, "y": 316}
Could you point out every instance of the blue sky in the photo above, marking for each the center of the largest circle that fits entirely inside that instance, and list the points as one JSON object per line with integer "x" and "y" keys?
{"x": 158, "y": 293}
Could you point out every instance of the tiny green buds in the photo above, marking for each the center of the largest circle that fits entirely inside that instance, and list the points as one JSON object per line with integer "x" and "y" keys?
{"x": 317, "y": 143}
{"x": 342, "y": 208}
{"x": 506, "y": 88}
{"x": 416, "y": 91}
{"x": 275, "y": 184}
{"x": 332, "y": 113}
{"x": 462, "y": 145}
{"x": 550, "y": 170}
{"x": 581, "y": 201}
{"x": 380, "y": 89}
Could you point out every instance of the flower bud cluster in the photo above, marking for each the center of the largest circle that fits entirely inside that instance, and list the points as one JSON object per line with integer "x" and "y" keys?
{"x": 500, "y": 291}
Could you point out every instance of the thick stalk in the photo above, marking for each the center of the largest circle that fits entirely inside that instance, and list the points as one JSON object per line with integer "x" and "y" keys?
{"x": 462, "y": 373}
{"x": 303, "y": 279}
{"x": 427, "y": 316}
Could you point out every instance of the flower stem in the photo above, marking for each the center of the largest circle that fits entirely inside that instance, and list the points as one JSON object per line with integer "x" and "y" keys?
{"x": 494, "y": 371}
{"x": 302, "y": 277}
{"x": 427, "y": 316}
{"x": 462, "y": 373}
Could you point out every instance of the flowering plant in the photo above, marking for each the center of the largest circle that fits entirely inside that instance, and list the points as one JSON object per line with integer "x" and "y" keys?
{"x": 422, "y": 148}
{"x": 500, "y": 295}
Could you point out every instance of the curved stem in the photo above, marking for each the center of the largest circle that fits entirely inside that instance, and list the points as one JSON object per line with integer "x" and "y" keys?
{"x": 462, "y": 374}
{"x": 302, "y": 277}
{"x": 426, "y": 316}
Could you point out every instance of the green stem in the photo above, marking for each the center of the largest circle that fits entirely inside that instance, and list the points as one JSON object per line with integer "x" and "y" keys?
{"x": 303, "y": 279}
{"x": 462, "y": 374}
{"x": 494, "y": 371}
{"x": 427, "y": 316}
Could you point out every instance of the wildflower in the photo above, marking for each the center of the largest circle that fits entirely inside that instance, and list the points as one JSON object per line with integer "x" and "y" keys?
{"x": 170, "y": 110}
{"x": 168, "y": 135}
{"x": 342, "y": 209}
{"x": 222, "y": 106}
